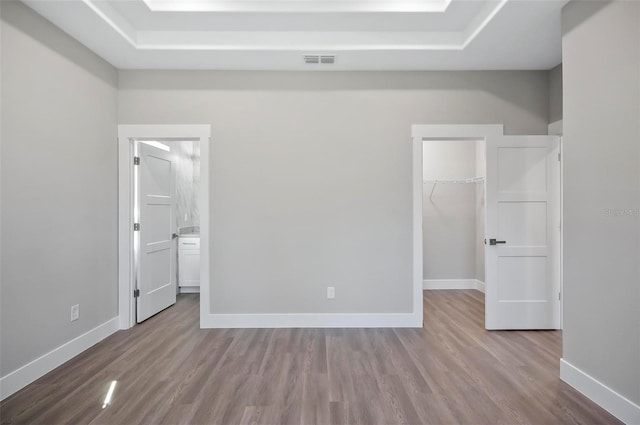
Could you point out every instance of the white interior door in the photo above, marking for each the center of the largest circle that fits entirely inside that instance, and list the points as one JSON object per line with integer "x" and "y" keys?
{"x": 522, "y": 250}
{"x": 156, "y": 254}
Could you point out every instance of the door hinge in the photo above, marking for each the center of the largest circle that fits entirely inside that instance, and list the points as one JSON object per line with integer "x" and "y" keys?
{"x": 558, "y": 156}
{"x": 136, "y": 227}
{"x": 136, "y": 293}
{"x": 559, "y": 296}
{"x": 136, "y": 160}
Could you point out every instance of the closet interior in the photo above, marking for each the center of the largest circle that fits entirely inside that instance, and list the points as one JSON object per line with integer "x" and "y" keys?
{"x": 453, "y": 214}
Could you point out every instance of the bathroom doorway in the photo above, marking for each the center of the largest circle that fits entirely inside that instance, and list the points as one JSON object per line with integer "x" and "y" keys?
{"x": 163, "y": 207}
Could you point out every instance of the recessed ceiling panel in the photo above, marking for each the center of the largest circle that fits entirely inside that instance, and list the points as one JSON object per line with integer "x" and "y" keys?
{"x": 457, "y": 18}
{"x": 293, "y": 6}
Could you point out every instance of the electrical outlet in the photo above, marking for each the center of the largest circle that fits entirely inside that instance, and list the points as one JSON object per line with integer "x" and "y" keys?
{"x": 331, "y": 292}
{"x": 75, "y": 312}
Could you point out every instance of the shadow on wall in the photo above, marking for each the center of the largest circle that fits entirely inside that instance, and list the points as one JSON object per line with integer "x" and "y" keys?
{"x": 19, "y": 16}
{"x": 589, "y": 8}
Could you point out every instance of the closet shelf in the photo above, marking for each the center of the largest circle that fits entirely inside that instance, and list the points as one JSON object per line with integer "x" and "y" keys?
{"x": 470, "y": 180}
{"x": 435, "y": 182}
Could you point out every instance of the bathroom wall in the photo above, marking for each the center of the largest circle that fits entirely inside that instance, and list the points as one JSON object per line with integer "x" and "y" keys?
{"x": 187, "y": 163}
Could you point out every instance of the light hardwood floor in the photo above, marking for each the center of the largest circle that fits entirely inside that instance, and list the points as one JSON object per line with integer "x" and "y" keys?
{"x": 450, "y": 372}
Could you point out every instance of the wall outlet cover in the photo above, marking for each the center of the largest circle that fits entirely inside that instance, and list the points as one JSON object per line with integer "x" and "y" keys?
{"x": 331, "y": 292}
{"x": 75, "y": 312}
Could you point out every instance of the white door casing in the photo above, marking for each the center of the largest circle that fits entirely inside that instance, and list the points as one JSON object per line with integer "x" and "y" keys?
{"x": 523, "y": 216}
{"x": 127, "y": 134}
{"x": 156, "y": 251}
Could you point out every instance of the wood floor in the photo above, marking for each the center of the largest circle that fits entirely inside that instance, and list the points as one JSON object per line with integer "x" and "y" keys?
{"x": 451, "y": 372}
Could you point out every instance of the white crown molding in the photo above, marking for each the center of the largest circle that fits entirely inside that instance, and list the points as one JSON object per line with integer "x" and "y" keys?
{"x": 118, "y": 23}
{"x": 296, "y": 41}
{"x": 481, "y": 21}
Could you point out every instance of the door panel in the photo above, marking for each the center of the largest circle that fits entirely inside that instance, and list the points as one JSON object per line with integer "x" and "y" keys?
{"x": 156, "y": 255}
{"x": 523, "y": 216}
{"x": 522, "y": 169}
{"x": 523, "y": 223}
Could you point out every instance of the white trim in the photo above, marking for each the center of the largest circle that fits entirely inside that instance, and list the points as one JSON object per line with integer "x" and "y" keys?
{"x": 418, "y": 271}
{"x": 614, "y": 403}
{"x": 309, "y": 320}
{"x": 556, "y": 129}
{"x": 126, "y": 304}
{"x": 481, "y": 286}
{"x": 126, "y": 310}
{"x": 203, "y": 205}
{"x": 561, "y": 224}
{"x": 456, "y": 131}
{"x": 437, "y": 284}
{"x": 44, "y": 364}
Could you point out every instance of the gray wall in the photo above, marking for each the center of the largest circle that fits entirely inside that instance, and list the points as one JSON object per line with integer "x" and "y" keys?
{"x": 311, "y": 172}
{"x": 555, "y": 94}
{"x": 601, "y": 61}
{"x": 58, "y": 193}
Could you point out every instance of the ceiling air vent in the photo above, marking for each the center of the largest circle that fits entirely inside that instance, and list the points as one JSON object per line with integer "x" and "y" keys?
{"x": 316, "y": 59}
{"x": 311, "y": 59}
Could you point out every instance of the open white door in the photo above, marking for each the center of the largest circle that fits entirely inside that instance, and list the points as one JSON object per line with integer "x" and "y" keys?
{"x": 156, "y": 287}
{"x": 522, "y": 249}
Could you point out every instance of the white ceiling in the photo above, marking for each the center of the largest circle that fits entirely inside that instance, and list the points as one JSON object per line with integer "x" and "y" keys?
{"x": 275, "y": 34}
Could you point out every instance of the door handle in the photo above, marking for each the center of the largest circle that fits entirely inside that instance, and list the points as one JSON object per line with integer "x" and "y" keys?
{"x": 495, "y": 242}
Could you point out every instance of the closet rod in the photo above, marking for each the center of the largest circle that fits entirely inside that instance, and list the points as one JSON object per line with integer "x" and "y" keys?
{"x": 465, "y": 181}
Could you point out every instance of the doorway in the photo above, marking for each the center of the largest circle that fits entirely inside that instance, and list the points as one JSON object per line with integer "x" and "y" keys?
{"x": 453, "y": 214}
{"x": 503, "y": 225}
{"x": 163, "y": 211}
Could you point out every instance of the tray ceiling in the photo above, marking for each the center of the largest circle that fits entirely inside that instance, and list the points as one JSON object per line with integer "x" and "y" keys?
{"x": 276, "y": 34}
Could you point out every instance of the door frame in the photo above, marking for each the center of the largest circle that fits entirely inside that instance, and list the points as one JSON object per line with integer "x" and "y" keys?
{"x": 126, "y": 136}
{"x": 555, "y": 129}
{"x": 420, "y": 133}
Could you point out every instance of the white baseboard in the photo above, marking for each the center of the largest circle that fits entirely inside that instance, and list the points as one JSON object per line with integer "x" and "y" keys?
{"x": 44, "y": 364}
{"x": 189, "y": 289}
{"x": 432, "y": 284}
{"x": 321, "y": 320}
{"x": 614, "y": 403}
